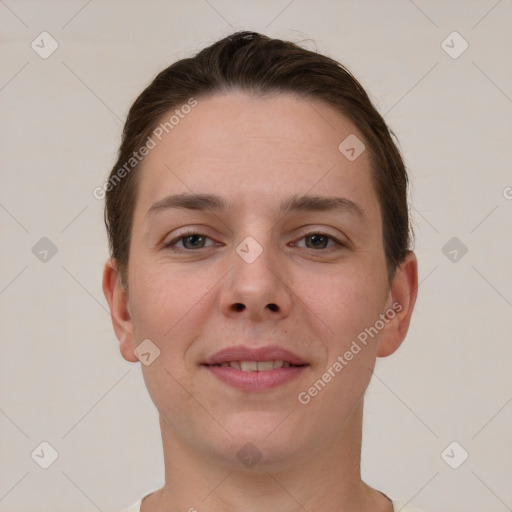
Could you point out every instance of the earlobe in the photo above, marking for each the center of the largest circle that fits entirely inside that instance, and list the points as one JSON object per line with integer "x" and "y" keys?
{"x": 401, "y": 299}
{"x": 117, "y": 299}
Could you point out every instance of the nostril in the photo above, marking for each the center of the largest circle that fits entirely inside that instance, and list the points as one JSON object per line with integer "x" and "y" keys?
{"x": 238, "y": 306}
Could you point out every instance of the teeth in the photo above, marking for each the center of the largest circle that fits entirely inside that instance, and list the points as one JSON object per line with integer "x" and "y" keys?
{"x": 256, "y": 366}
{"x": 264, "y": 366}
{"x": 249, "y": 366}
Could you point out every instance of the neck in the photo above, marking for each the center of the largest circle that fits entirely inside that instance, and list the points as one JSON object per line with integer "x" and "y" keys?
{"x": 325, "y": 478}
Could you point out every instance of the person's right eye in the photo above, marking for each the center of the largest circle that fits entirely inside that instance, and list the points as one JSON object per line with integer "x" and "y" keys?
{"x": 189, "y": 241}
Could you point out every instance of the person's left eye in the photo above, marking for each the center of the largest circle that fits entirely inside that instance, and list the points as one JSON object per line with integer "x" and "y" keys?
{"x": 318, "y": 241}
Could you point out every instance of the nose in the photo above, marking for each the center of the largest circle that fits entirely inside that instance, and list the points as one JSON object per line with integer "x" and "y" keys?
{"x": 257, "y": 290}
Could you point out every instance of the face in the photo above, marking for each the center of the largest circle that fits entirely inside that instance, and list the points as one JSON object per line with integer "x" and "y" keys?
{"x": 256, "y": 240}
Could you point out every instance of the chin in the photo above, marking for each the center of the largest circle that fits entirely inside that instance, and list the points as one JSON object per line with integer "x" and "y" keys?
{"x": 262, "y": 441}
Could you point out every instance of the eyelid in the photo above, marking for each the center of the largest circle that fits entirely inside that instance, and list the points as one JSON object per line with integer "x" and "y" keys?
{"x": 188, "y": 229}
{"x": 308, "y": 231}
{"x": 331, "y": 239}
{"x": 188, "y": 232}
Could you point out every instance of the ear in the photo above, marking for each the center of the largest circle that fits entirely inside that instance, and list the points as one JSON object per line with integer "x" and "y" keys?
{"x": 117, "y": 299}
{"x": 399, "y": 305}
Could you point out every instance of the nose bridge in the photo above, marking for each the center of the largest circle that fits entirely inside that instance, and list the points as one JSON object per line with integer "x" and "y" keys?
{"x": 257, "y": 285}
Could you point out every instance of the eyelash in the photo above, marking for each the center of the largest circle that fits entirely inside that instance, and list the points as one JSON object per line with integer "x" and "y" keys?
{"x": 171, "y": 244}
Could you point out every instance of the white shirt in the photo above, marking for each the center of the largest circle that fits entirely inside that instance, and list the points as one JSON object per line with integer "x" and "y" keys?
{"x": 398, "y": 506}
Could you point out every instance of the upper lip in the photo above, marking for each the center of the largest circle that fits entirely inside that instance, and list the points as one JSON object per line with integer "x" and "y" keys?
{"x": 241, "y": 353}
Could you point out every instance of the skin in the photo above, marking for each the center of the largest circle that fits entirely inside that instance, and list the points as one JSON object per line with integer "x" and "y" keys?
{"x": 254, "y": 153}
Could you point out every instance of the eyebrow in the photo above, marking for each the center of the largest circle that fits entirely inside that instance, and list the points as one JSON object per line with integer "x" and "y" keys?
{"x": 307, "y": 203}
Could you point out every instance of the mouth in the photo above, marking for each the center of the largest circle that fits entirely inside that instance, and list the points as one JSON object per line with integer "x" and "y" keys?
{"x": 257, "y": 366}
{"x": 255, "y": 370}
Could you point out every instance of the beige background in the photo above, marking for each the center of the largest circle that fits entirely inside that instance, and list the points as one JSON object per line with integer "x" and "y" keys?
{"x": 62, "y": 379}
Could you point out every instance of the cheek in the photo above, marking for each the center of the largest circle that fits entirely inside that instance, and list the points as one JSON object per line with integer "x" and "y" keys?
{"x": 169, "y": 302}
{"x": 347, "y": 303}
{"x": 344, "y": 301}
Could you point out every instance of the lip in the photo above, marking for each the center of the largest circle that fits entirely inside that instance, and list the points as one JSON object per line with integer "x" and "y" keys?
{"x": 255, "y": 381}
{"x": 241, "y": 353}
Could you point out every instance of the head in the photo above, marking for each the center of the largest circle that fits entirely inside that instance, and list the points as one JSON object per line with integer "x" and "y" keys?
{"x": 258, "y": 200}
{"x": 259, "y": 66}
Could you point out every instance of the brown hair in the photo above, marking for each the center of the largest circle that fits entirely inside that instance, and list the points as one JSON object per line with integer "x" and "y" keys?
{"x": 257, "y": 64}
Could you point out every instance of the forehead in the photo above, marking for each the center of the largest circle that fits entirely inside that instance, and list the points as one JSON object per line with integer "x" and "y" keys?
{"x": 283, "y": 121}
{"x": 255, "y": 149}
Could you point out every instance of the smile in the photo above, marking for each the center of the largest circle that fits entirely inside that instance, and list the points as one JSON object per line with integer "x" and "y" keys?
{"x": 256, "y": 366}
{"x": 253, "y": 369}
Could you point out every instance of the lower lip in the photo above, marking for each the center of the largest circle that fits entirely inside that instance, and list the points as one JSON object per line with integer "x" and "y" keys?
{"x": 256, "y": 381}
